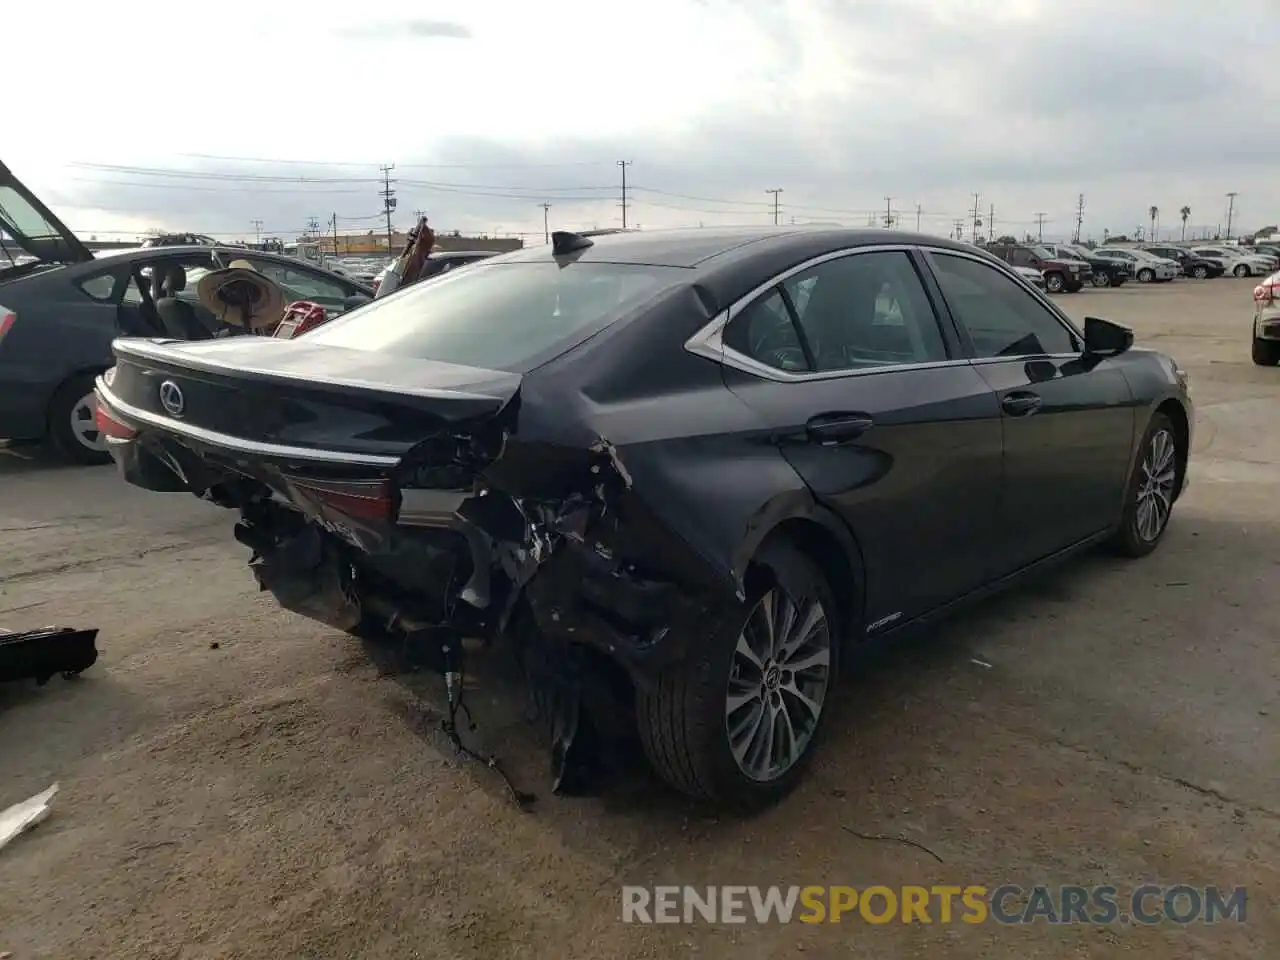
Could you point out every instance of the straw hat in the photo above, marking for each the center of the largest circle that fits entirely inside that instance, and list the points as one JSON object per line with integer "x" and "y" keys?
{"x": 241, "y": 296}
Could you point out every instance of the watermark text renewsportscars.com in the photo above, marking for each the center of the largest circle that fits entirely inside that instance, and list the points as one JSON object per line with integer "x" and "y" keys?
{"x": 1144, "y": 904}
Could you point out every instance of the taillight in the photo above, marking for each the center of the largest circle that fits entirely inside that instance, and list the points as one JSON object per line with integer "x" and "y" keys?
{"x": 7, "y": 319}
{"x": 360, "y": 500}
{"x": 109, "y": 426}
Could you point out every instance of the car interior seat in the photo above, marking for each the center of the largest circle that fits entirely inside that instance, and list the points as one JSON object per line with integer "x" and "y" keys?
{"x": 178, "y": 317}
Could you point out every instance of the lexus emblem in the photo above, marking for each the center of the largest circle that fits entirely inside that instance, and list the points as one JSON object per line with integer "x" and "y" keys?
{"x": 171, "y": 398}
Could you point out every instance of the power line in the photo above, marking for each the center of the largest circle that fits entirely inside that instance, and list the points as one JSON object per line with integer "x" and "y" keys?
{"x": 777, "y": 192}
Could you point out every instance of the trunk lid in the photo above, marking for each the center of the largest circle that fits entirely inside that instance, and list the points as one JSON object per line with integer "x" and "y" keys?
{"x": 26, "y": 221}
{"x": 271, "y": 399}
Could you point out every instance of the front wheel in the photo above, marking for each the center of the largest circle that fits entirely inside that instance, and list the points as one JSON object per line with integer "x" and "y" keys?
{"x": 1102, "y": 279}
{"x": 1241, "y": 270}
{"x": 737, "y": 722}
{"x": 1201, "y": 272}
{"x": 1152, "y": 488}
{"x": 1055, "y": 282}
{"x": 1146, "y": 275}
{"x": 72, "y": 429}
{"x": 1266, "y": 353}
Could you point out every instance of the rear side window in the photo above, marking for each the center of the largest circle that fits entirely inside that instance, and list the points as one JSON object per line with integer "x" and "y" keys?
{"x": 501, "y": 316}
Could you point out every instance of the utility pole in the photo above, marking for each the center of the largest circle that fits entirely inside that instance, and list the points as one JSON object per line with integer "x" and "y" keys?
{"x": 871, "y": 219}
{"x": 333, "y": 224}
{"x": 991, "y": 222}
{"x": 1079, "y": 218}
{"x": 777, "y": 192}
{"x": 977, "y": 217}
{"x": 546, "y": 221}
{"x": 623, "y": 164}
{"x": 257, "y": 228}
{"x": 1231, "y": 209}
{"x": 388, "y": 202}
{"x": 1040, "y": 227}
{"x": 918, "y": 210}
{"x": 888, "y": 212}
{"x": 958, "y": 233}
{"x": 313, "y": 227}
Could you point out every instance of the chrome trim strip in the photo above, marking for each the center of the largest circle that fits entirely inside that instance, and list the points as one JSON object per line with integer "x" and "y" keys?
{"x": 708, "y": 342}
{"x": 252, "y": 448}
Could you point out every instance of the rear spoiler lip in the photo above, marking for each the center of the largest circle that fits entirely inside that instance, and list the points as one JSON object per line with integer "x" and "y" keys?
{"x": 252, "y": 448}
{"x": 159, "y": 350}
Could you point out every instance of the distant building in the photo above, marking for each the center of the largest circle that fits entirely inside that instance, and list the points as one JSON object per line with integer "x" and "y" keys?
{"x": 374, "y": 243}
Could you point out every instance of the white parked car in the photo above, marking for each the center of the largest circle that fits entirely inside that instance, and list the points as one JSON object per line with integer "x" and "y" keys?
{"x": 1266, "y": 322}
{"x": 1237, "y": 261}
{"x": 1031, "y": 275}
{"x": 1146, "y": 267}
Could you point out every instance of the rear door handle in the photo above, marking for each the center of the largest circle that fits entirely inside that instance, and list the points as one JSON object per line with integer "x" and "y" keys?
{"x": 831, "y": 429}
{"x": 1022, "y": 403}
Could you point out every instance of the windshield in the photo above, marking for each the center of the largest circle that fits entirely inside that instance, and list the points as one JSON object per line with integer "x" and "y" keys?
{"x": 1080, "y": 252}
{"x": 499, "y": 316}
{"x": 1044, "y": 253}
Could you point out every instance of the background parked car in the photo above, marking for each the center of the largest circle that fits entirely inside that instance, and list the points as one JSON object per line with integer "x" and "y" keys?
{"x": 1146, "y": 267}
{"x": 181, "y": 240}
{"x": 60, "y": 310}
{"x": 1106, "y": 273}
{"x": 1266, "y": 322}
{"x": 1237, "y": 262}
{"x": 1032, "y": 276}
{"x": 1059, "y": 274}
{"x": 1191, "y": 265}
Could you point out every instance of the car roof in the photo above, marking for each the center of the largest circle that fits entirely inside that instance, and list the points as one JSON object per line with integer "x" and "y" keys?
{"x": 692, "y": 247}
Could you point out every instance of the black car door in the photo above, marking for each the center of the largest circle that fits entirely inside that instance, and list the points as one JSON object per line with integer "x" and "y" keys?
{"x": 870, "y": 401}
{"x": 1068, "y": 420}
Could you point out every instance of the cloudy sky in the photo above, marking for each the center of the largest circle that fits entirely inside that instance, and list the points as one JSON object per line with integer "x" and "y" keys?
{"x": 130, "y": 115}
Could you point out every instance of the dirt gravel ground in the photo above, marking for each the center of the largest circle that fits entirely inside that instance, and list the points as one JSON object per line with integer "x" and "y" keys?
{"x": 279, "y": 796}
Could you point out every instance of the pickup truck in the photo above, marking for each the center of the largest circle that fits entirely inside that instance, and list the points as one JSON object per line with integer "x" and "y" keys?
{"x": 1060, "y": 275}
{"x": 1106, "y": 273}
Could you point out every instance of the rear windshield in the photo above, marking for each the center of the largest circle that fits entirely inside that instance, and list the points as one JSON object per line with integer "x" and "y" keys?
{"x": 500, "y": 316}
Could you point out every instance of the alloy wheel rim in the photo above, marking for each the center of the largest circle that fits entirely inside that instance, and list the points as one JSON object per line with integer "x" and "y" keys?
{"x": 778, "y": 683}
{"x": 83, "y": 426}
{"x": 1155, "y": 489}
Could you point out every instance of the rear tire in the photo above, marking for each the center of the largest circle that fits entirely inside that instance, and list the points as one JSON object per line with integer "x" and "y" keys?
{"x": 72, "y": 432}
{"x": 1266, "y": 353}
{"x": 1157, "y": 476}
{"x": 708, "y": 723}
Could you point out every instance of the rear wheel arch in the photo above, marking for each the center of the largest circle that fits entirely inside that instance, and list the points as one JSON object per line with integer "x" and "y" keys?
{"x": 828, "y": 543}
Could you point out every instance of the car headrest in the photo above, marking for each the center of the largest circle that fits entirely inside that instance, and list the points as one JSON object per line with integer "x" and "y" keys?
{"x": 175, "y": 279}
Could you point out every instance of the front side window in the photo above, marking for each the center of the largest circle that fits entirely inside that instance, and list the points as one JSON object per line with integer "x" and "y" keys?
{"x": 500, "y": 316}
{"x": 1003, "y": 318}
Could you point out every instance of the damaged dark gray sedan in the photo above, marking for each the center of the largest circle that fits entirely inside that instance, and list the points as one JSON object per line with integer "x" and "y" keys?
{"x": 708, "y": 462}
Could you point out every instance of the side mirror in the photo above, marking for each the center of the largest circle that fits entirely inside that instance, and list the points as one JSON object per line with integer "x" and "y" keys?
{"x": 1102, "y": 338}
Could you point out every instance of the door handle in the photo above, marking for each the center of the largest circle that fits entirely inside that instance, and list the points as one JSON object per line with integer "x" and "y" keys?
{"x": 830, "y": 429}
{"x": 1021, "y": 404}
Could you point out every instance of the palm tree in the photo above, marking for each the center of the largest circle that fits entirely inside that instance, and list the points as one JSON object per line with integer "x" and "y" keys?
{"x": 1154, "y": 214}
{"x": 1185, "y": 212}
